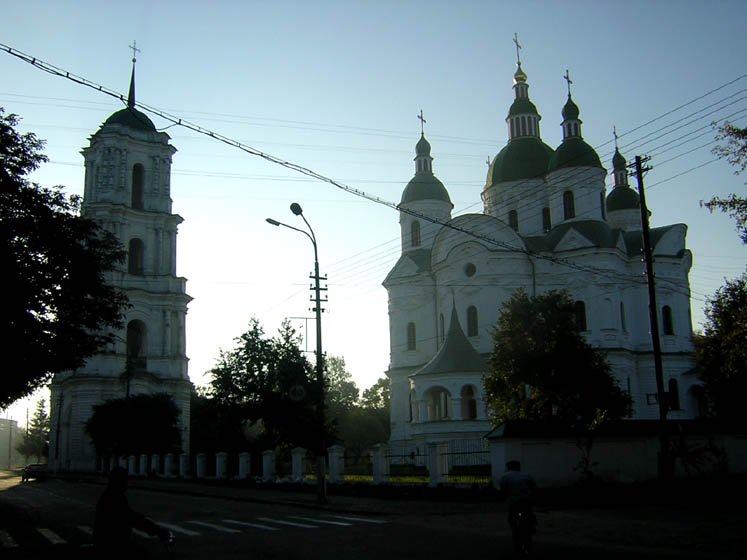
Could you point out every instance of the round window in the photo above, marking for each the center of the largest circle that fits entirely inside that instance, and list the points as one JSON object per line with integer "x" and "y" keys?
{"x": 470, "y": 269}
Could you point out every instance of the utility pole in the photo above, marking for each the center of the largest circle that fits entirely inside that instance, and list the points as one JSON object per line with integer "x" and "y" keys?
{"x": 664, "y": 465}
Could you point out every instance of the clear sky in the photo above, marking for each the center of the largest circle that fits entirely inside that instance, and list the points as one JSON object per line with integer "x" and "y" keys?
{"x": 336, "y": 86}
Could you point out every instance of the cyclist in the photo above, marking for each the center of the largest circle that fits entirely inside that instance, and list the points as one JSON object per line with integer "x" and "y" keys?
{"x": 115, "y": 520}
{"x": 519, "y": 488}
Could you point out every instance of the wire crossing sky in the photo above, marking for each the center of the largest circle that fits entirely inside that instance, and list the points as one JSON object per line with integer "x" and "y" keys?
{"x": 336, "y": 89}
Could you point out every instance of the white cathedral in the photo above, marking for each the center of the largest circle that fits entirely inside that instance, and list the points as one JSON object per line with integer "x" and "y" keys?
{"x": 128, "y": 192}
{"x": 548, "y": 224}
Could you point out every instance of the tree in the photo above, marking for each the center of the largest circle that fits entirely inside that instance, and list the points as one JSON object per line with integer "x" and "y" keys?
{"x": 542, "y": 368}
{"x": 722, "y": 352}
{"x": 341, "y": 392}
{"x": 36, "y": 441}
{"x": 377, "y": 396}
{"x": 60, "y": 310}
{"x": 270, "y": 380}
{"x": 140, "y": 424}
{"x": 735, "y": 152}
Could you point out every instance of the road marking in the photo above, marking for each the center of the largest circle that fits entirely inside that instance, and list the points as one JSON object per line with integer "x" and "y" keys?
{"x": 281, "y": 522}
{"x": 255, "y": 525}
{"x": 143, "y": 534}
{"x": 51, "y": 536}
{"x": 361, "y": 519}
{"x": 178, "y": 529}
{"x": 214, "y": 526}
{"x": 7, "y": 540}
{"x": 325, "y": 521}
{"x": 86, "y": 529}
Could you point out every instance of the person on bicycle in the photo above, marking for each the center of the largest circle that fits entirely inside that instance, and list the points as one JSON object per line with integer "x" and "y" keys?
{"x": 518, "y": 488}
{"x": 115, "y": 520}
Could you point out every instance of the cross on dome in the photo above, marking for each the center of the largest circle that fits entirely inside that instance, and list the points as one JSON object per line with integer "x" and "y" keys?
{"x": 135, "y": 50}
{"x": 518, "y": 46}
{"x": 567, "y": 78}
{"x": 422, "y": 122}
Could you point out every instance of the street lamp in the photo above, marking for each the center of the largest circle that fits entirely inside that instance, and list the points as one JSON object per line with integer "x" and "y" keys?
{"x": 321, "y": 464}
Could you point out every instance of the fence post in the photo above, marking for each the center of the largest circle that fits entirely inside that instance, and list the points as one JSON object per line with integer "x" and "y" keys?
{"x": 497, "y": 460}
{"x": 168, "y": 465}
{"x": 113, "y": 462}
{"x": 380, "y": 463}
{"x": 336, "y": 464}
{"x": 244, "y": 465}
{"x": 268, "y": 465}
{"x": 155, "y": 464}
{"x": 221, "y": 472}
{"x": 131, "y": 465}
{"x": 438, "y": 463}
{"x": 183, "y": 465}
{"x": 143, "y": 470}
{"x": 298, "y": 455}
{"x": 201, "y": 465}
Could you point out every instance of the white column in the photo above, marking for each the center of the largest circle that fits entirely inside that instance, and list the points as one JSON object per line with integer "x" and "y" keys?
{"x": 244, "y": 465}
{"x": 155, "y": 464}
{"x": 168, "y": 465}
{"x": 380, "y": 463}
{"x": 131, "y": 465}
{"x": 438, "y": 463}
{"x": 268, "y": 465}
{"x": 143, "y": 469}
{"x": 183, "y": 465}
{"x": 298, "y": 454}
{"x": 456, "y": 409}
{"x": 497, "y": 460}
{"x": 201, "y": 465}
{"x": 336, "y": 464}
{"x": 221, "y": 472}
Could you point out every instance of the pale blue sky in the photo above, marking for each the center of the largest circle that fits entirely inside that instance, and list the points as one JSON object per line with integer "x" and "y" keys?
{"x": 336, "y": 86}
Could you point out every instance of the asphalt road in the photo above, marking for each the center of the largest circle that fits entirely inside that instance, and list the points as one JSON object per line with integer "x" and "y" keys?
{"x": 54, "y": 518}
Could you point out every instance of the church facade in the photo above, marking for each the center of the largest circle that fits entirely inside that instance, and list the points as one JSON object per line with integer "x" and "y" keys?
{"x": 128, "y": 192}
{"x": 548, "y": 223}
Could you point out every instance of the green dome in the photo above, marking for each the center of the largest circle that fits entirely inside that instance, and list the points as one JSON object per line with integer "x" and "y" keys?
{"x": 132, "y": 118}
{"x": 618, "y": 161}
{"x": 425, "y": 186}
{"x": 570, "y": 111}
{"x": 422, "y": 148}
{"x": 623, "y": 198}
{"x": 522, "y": 106}
{"x": 574, "y": 152}
{"x": 521, "y": 158}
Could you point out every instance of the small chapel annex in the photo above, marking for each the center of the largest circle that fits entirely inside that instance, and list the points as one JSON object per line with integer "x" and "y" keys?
{"x": 548, "y": 223}
{"x": 128, "y": 191}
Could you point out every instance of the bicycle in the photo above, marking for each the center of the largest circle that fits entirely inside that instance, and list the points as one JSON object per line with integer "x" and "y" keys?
{"x": 523, "y": 531}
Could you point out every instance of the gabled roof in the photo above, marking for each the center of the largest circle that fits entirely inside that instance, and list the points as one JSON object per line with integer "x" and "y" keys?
{"x": 456, "y": 355}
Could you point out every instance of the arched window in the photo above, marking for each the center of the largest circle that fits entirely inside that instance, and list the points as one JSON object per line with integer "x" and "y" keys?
{"x": 546, "y": 221}
{"x": 136, "y": 345}
{"x": 441, "y": 328}
{"x": 469, "y": 403}
{"x": 602, "y": 205}
{"x": 472, "y": 325}
{"x": 569, "y": 206}
{"x": 135, "y": 257}
{"x": 415, "y": 234}
{"x": 438, "y": 401}
{"x": 666, "y": 320}
{"x": 579, "y": 310}
{"x": 411, "y": 344}
{"x": 623, "y": 326}
{"x": 138, "y": 184}
{"x": 523, "y": 126}
{"x": 513, "y": 220}
{"x": 674, "y": 394}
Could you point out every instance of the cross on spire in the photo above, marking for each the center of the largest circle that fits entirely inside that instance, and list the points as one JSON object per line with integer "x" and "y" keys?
{"x": 135, "y": 50}
{"x": 567, "y": 78}
{"x": 422, "y": 122}
{"x": 614, "y": 133}
{"x": 518, "y": 46}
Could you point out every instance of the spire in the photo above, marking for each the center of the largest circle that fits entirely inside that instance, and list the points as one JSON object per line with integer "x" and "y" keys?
{"x": 423, "y": 159}
{"x": 620, "y": 166}
{"x": 571, "y": 123}
{"x": 131, "y": 95}
{"x": 523, "y": 118}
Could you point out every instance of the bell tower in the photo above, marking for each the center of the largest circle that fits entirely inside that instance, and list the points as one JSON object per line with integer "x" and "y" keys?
{"x": 128, "y": 191}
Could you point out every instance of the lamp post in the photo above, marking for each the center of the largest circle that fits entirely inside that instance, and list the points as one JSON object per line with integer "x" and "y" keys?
{"x": 321, "y": 463}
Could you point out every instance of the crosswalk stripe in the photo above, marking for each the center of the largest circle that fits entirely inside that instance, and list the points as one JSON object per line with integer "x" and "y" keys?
{"x": 255, "y": 525}
{"x": 51, "y": 536}
{"x": 361, "y": 519}
{"x": 86, "y": 529}
{"x": 290, "y": 523}
{"x": 214, "y": 526}
{"x": 325, "y": 521}
{"x": 7, "y": 540}
{"x": 143, "y": 534}
{"x": 178, "y": 529}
